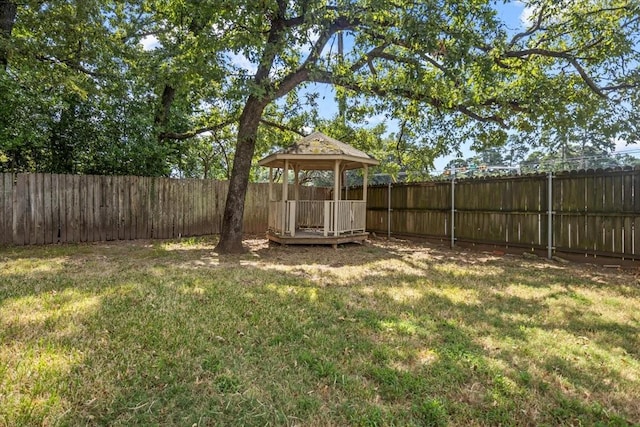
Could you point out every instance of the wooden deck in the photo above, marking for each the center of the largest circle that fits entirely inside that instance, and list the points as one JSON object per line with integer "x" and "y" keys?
{"x": 316, "y": 237}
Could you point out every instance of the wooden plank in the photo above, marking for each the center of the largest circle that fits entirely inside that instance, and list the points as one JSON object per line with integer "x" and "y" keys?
{"x": 99, "y": 203}
{"x": 19, "y": 209}
{"x": 155, "y": 208}
{"x": 56, "y": 195}
{"x": 54, "y": 230}
{"x": 171, "y": 208}
{"x": 6, "y": 225}
{"x": 31, "y": 218}
{"x": 75, "y": 210}
{"x": 180, "y": 208}
{"x": 627, "y": 192}
{"x": 123, "y": 207}
{"x": 109, "y": 211}
{"x": 141, "y": 231}
{"x": 627, "y": 235}
{"x": 153, "y": 190}
{"x": 87, "y": 208}
{"x": 148, "y": 223}
{"x": 188, "y": 209}
{"x": 47, "y": 210}
{"x": 98, "y": 207}
{"x": 127, "y": 212}
{"x": 134, "y": 206}
{"x": 208, "y": 195}
{"x": 199, "y": 209}
{"x": 212, "y": 218}
{"x": 115, "y": 218}
{"x": 210, "y": 205}
{"x": 188, "y": 203}
{"x": 175, "y": 208}
{"x": 68, "y": 208}
{"x": 163, "y": 195}
{"x": 141, "y": 222}
{"x": 62, "y": 208}
{"x": 167, "y": 208}
{"x": 5, "y": 202}
{"x": 81, "y": 190}
{"x": 89, "y": 214}
{"x": 161, "y": 223}
{"x": 120, "y": 184}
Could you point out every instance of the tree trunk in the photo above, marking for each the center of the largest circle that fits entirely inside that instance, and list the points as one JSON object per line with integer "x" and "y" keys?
{"x": 164, "y": 110}
{"x": 8, "y": 12}
{"x": 231, "y": 235}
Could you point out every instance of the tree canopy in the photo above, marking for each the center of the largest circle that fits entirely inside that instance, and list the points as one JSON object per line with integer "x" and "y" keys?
{"x": 80, "y": 93}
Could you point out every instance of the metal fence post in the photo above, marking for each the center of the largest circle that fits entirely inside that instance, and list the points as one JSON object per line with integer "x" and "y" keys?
{"x": 389, "y": 210}
{"x": 550, "y": 215}
{"x": 453, "y": 206}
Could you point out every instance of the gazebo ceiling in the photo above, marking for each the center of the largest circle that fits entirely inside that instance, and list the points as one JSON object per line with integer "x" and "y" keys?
{"x": 319, "y": 152}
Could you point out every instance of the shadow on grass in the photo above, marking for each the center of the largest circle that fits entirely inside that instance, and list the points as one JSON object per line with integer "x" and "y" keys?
{"x": 152, "y": 336}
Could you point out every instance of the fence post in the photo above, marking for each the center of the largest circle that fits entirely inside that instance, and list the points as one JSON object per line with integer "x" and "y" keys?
{"x": 389, "y": 210}
{"x": 453, "y": 206}
{"x": 550, "y": 215}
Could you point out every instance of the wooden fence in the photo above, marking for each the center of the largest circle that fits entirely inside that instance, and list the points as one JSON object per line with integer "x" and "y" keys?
{"x": 44, "y": 208}
{"x": 593, "y": 212}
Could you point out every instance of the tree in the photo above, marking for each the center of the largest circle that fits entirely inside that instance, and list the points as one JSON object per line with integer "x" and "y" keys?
{"x": 451, "y": 62}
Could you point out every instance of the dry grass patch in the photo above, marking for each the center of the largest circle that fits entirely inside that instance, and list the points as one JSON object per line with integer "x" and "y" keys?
{"x": 391, "y": 333}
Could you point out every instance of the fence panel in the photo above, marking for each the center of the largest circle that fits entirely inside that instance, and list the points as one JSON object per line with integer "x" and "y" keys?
{"x": 596, "y": 212}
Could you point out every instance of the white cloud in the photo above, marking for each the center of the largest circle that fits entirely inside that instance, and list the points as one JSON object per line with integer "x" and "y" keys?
{"x": 150, "y": 42}
{"x": 527, "y": 15}
{"x": 242, "y": 62}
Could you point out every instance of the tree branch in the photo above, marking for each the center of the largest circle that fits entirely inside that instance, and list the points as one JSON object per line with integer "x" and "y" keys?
{"x": 281, "y": 127}
{"x": 194, "y": 132}
{"x": 293, "y": 79}
{"x": 329, "y": 78}
{"x": 561, "y": 55}
{"x": 71, "y": 64}
{"x": 535, "y": 27}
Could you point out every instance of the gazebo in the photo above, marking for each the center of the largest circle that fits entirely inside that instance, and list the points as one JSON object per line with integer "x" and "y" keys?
{"x": 336, "y": 221}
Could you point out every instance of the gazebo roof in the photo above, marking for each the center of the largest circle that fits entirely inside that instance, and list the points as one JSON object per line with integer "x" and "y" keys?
{"x": 319, "y": 152}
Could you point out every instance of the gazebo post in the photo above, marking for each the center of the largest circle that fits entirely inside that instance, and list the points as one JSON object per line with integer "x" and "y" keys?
{"x": 271, "y": 211}
{"x": 285, "y": 194}
{"x": 364, "y": 183}
{"x": 296, "y": 182}
{"x": 336, "y": 195}
{"x": 270, "y": 184}
{"x": 345, "y": 184}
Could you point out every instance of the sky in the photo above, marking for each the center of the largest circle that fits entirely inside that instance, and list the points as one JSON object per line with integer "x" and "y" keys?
{"x": 514, "y": 13}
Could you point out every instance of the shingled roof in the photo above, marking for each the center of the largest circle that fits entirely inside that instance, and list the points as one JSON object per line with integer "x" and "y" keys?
{"x": 318, "y": 151}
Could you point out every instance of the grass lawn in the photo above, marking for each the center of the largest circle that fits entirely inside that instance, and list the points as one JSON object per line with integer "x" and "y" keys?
{"x": 391, "y": 333}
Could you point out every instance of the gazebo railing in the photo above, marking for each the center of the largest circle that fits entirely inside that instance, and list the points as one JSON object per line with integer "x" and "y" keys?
{"x": 310, "y": 213}
{"x": 352, "y": 216}
{"x": 318, "y": 214}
